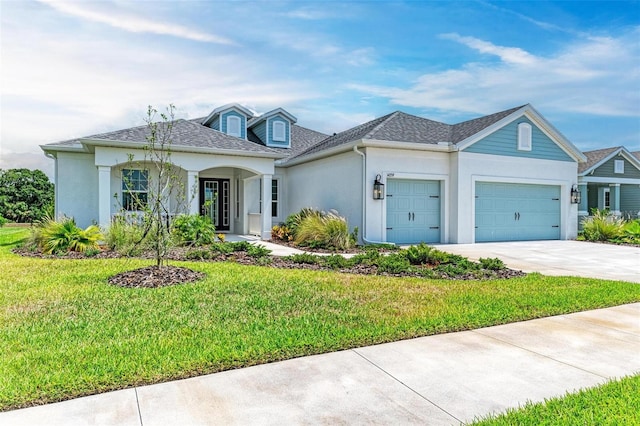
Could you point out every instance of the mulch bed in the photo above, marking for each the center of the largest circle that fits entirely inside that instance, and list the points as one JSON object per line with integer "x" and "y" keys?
{"x": 156, "y": 276}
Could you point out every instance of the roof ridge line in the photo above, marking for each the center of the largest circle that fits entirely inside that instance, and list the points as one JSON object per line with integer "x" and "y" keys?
{"x": 380, "y": 124}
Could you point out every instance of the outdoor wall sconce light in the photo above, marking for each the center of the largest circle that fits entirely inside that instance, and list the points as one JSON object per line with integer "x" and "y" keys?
{"x": 378, "y": 189}
{"x": 575, "y": 195}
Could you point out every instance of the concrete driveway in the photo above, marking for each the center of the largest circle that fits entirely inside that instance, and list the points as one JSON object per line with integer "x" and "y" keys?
{"x": 578, "y": 258}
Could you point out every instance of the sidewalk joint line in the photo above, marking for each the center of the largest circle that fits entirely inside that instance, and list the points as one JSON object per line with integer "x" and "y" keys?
{"x": 138, "y": 405}
{"x": 405, "y": 385}
{"x": 539, "y": 354}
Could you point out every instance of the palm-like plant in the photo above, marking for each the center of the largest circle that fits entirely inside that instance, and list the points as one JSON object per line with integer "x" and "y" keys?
{"x": 57, "y": 236}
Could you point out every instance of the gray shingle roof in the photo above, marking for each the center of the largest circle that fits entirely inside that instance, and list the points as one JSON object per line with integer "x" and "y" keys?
{"x": 594, "y": 157}
{"x": 402, "y": 127}
{"x": 191, "y": 133}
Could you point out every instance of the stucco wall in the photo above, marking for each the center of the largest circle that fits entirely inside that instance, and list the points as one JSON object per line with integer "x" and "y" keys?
{"x": 404, "y": 164}
{"x": 328, "y": 183}
{"x": 77, "y": 188}
{"x": 488, "y": 168}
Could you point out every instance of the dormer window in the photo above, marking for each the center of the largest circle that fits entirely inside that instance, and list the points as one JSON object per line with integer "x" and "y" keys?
{"x": 279, "y": 131}
{"x": 233, "y": 126}
{"x": 524, "y": 137}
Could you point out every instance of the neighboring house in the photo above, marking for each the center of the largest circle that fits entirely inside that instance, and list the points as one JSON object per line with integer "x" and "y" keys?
{"x": 505, "y": 176}
{"x": 610, "y": 179}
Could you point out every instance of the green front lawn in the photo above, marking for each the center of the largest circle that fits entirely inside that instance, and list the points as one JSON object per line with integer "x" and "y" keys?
{"x": 614, "y": 403}
{"x": 65, "y": 332}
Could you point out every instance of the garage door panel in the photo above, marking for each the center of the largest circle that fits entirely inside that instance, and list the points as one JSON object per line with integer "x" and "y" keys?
{"x": 414, "y": 214}
{"x": 517, "y": 212}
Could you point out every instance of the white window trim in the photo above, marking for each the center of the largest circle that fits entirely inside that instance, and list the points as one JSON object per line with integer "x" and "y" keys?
{"x": 238, "y": 120}
{"x": 124, "y": 190}
{"x": 524, "y": 137}
{"x": 618, "y": 166}
{"x": 279, "y": 136}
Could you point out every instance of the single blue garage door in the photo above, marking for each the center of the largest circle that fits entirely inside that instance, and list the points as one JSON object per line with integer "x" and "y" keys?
{"x": 517, "y": 212}
{"x": 413, "y": 211}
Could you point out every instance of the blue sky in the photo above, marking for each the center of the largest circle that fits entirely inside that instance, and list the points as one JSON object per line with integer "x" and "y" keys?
{"x": 76, "y": 68}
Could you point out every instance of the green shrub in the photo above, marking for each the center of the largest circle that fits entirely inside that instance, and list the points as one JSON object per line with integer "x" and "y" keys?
{"x": 492, "y": 264}
{"x": 602, "y": 226}
{"x": 631, "y": 232}
{"x": 240, "y": 245}
{"x": 194, "y": 230}
{"x": 308, "y": 258}
{"x": 324, "y": 230}
{"x": 369, "y": 257}
{"x": 394, "y": 263}
{"x": 293, "y": 221}
{"x": 258, "y": 251}
{"x": 223, "y": 248}
{"x": 3, "y": 221}
{"x": 199, "y": 254}
{"x": 418, "y": 255}
{"x": 59, "y": 236}
{"x": 336, "y": 261}
{"x": 126, "y": 237}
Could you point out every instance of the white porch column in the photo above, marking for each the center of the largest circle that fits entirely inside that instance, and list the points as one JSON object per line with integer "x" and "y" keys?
{"x": 266, "y": 207}
{"x": 192, "y": 191}
{"x": 104, "y": 196}
{"x": 614, "y": 199}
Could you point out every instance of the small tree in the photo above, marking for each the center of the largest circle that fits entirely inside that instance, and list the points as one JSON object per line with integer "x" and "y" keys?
{"x": 163, "y": 184}
{"x": 25, "y": 195}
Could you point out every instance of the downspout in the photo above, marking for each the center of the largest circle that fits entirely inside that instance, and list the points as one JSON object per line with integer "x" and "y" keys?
{"x": 364, "y": 199}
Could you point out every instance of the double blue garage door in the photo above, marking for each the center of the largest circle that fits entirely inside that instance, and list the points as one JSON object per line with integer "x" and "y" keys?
{"x": 503, "y": 211}
{"x": 517, "y": 212}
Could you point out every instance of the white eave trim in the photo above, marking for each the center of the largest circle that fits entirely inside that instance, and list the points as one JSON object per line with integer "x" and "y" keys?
{"x": 269, "y": 114}
{"x": 180, "y": 148}
{"x": 533, "y": 115}
{"x": 371, "y": 143}
{"x": 595, "y": 179}
{"x": 64, "y": 148}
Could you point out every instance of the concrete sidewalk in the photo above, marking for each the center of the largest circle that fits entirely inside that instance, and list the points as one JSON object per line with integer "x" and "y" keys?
{"x": 438, "y": 380}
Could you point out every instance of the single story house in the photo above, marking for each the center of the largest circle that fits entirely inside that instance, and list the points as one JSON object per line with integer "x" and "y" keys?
{"x": 610, "y": 179}
{"x": 502, "y": 177}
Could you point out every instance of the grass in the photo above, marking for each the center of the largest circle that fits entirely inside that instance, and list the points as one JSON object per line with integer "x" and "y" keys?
{"x": 64, "y": 332}
{"x": 614, "y": 403}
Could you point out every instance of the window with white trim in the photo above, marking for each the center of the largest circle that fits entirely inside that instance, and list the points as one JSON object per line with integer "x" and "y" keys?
{"x": 135, "y": 184}
{"x": 618, "y": 166}
{"x": 275, "y": 196}
{"x": 524, "y": 137}
{"x": 233, "y": 126}
{"x": 279, "y": 131}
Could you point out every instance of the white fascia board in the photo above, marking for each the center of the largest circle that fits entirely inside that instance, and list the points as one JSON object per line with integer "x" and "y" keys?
{"x": 321, "y": 154}
{"x": 620, "y": 151}
{"x": 373, "y": 143}
{"x": 594, "y": 179}
{"x": 64, "y": 148}
{"x": 533, "y": 115}
{"x": 413, "y": 146}
{"x": 225, "y": 108}
{"x": 256, "y": 120}
{"x": 180, "y": 148}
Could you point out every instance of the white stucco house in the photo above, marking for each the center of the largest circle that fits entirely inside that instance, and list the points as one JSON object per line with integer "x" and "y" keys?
{"x": 505, "y": 176}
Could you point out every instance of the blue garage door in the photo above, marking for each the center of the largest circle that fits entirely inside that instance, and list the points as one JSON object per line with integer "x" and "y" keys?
{"x": 413, "y": 211}
{"x": 517, "y": 212}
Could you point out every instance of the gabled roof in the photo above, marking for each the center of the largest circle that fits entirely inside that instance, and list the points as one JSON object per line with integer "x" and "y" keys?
{"x": 192, "y": 135}
{"x": 598, "y": 157}
{"x": 226, "y": 107}
{"x": 185, "y": 134}
{"x": 402, "y": 127}
{"x": 266, "y": 115}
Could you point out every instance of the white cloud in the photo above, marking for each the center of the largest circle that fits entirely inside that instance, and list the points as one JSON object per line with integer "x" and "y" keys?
{"x": 130, "y": 23}
{"x": 596, "y": 75}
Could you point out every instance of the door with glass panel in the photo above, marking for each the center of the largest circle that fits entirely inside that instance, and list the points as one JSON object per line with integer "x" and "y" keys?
{"x": 215, "y": 202}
